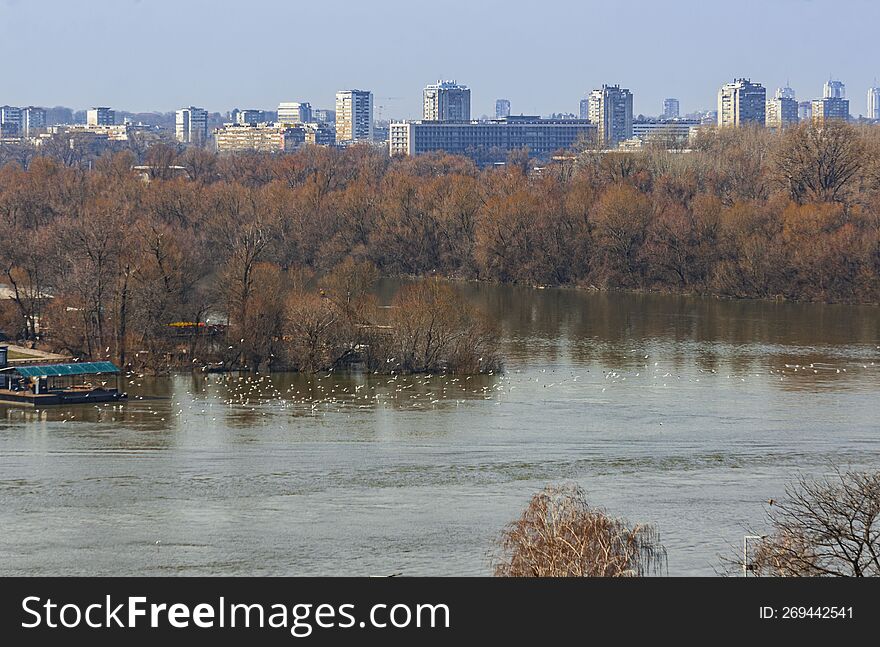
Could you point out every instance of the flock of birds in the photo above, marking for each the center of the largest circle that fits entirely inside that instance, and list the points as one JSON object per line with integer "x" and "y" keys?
{"x": 218, "y": 395}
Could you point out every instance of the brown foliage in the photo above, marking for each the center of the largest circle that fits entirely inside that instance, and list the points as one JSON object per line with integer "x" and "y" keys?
{"x": 561, "y": 535}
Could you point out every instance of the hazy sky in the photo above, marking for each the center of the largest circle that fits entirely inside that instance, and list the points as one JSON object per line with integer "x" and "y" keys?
{"x": 543, "y": 55}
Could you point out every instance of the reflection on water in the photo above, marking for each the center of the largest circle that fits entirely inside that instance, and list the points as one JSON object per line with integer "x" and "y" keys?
{"x": 688, "y": 413}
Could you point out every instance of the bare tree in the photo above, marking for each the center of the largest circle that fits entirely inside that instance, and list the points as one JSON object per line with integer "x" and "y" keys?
{"x": 561, "y": 535}
{"x": 829, "y": 527}
{"x": 820, "y": 163}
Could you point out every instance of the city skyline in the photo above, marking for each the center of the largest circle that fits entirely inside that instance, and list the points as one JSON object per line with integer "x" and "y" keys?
{"x": 691, "y": 67}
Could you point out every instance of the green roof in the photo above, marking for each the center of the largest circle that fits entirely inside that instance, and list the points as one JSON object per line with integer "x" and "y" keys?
{"x": 54, "y": 370}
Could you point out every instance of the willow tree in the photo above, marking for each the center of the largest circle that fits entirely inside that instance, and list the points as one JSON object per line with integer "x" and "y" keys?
{"x": 561, "y": 535}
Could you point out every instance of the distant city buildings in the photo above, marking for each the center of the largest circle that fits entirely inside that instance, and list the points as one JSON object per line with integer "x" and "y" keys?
{"x": 502, "y": 108}
{"x": 191, "y": 126}
{"x": 611, "y": 109}
{"x": 874, "y": 103}
{"x": 10, "y": 122}
{"x": 785, "y": 93}
{"x": 834, "y": 90}
{"x": 830, "y": 108}
{"x": 482, "y": 140}
{"x": 805, "y": 111}
{"x": 262, "y": 137}
{"x": 447, "y": 101}
{"x": 670, "y": 132}
{"x": 101, "y": 116}
{"x": 354, "y": 116}
{"x": 742, "y": 102}
{"x": 295, "y": 113}
{"x": 782, "y": 110}
{"x": 33, "y": 121}
{"x": 322, "y": 115}
{"x": 320, "y": 133}
{"x": 248, "y": 116}
{"x": 584, "y": 108}
{"x": 670, "y": 109}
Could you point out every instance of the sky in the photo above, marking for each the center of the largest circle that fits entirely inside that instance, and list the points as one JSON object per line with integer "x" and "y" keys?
{"x": 160, "y": 55}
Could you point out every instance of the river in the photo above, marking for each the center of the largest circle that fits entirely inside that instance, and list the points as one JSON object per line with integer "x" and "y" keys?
{"x": 683, "y": 412}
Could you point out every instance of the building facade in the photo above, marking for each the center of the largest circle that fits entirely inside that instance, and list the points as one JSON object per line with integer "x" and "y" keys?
{"x": 611, "y": 108}
{"x": 671, "y": 132}
{"x": 33, "y": 121}
{"x": 248, "y": 116}
{"x": 295, "y": 113}
{"x": 191, "y": 126}
{"x": 834, "y": 90}
{"x": 320, "y": 134}
{"x": 670, "y": 109}
{"x": 805, "y": 110}
{"x": 873, "y": 103}
{"x": 447, "y": 101}
{"x": 742, "y": 102}
{"x": 10, "y": 121}
{"x": 542, "y": 137}
{"x": 101, "y": 116}
{"x": 502, "y": 108}
{"x": 781, "y": 112}
{"x": 354, "y": 116}
{"x": 263, "y": 138}
{"x": 830, "y": 108}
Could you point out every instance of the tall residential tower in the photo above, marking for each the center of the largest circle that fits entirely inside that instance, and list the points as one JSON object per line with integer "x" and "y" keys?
{"x": 354, "y": 116}
{"x": 191, "y": 126}
{"x": 611, "y": 109}
{"x": 742, "y": 102}
{"x": 447, "y": 101}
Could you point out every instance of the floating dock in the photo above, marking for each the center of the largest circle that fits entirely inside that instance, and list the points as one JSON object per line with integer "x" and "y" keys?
{"x": 56, "y": 384}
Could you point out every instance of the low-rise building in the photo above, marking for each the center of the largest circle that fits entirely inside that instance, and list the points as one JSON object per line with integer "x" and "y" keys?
{"x": 542, "y": 137}
{"x": 264, "y": 138}
{"x": 664, "y": 131}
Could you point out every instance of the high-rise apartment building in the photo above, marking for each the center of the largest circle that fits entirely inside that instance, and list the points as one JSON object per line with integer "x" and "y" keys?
{"x": 805, "y": 110}
{"x": 10, "y": 121}
{"x": 834, "y": 90}
{"x": 584, "y": 108}
{"x": 785, "y": 93}
{"x": 502, "y": 108}
{"x": 830, "y": 108}
{"x": 874, "y": 103}
{"x": 33, "y": 120}
{"x": 447, "y": 101}
{"x": 742, "y": 102}
{"x": 101, "y": 116}
{"x": 295, "y": 113}
{"x": 191, "y": 126}
{"x": 611, "y": 108}
{"x": 670, "y": 109}
{"x": 354, "y": 116}
{"x": 782, "y": 110}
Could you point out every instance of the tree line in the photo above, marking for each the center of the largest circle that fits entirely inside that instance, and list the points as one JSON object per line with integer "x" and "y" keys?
{"x": 101, "y": 259}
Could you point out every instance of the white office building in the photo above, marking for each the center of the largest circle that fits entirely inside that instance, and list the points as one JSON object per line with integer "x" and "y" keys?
{"x": 873, "y": 103}
{"x": 295, "y": 112}
{"x": 101, "y": 116}
{"x": 191, "y": 126}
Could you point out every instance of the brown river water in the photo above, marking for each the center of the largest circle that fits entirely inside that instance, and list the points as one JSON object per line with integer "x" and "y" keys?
{"x": 687, "y": 413}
